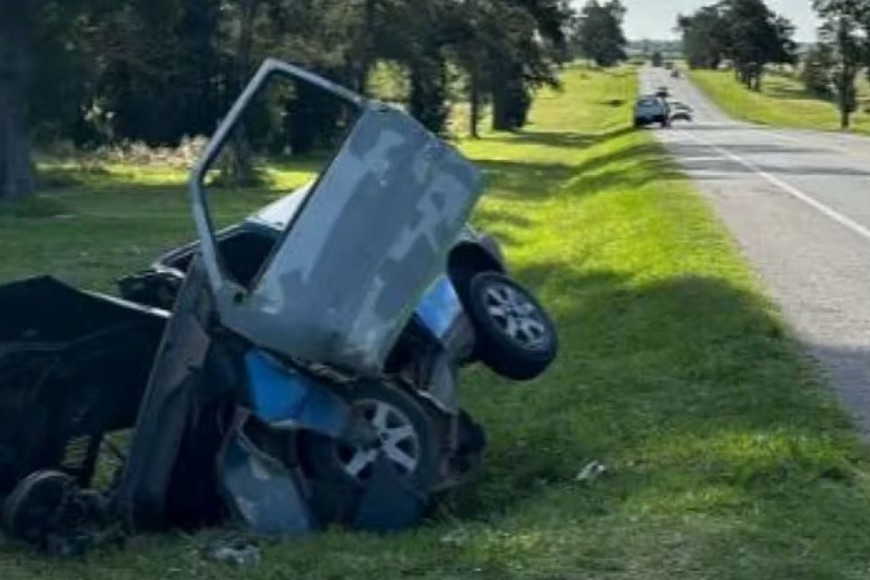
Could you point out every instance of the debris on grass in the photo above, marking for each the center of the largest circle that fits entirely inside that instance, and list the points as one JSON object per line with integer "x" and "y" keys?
{"x": 591, "y": 471}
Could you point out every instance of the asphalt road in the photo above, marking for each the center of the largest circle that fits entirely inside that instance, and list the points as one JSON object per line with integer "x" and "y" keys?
{"x": 798, "y": 204}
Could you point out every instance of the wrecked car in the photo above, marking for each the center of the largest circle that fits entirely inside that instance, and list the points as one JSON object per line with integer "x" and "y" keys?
{"x": 293, "y": 371}
{"x": 513, "y": 335}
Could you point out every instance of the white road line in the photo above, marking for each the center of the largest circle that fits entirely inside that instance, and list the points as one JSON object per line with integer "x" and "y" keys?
{"x": 786, "y": 187}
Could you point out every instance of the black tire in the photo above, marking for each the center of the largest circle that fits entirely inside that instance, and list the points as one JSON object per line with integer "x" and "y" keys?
{"x": 517, "y": 353}
{"x": 34, "y": 504}
{"x": 330, "y": 464}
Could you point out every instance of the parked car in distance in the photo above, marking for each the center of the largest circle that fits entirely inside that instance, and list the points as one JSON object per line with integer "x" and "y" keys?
{"x": 651, "y": 109}
{"x": 663, "y": 92}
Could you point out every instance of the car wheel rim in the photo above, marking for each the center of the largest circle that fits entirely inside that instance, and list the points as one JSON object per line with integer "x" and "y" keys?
{"x": 398, "y": 441}
{"x": 516, "y": 317}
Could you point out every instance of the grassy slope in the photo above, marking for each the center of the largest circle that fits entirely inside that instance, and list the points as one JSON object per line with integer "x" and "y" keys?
{"x": 783, "y": 102}
{"x": 725, "y": 458}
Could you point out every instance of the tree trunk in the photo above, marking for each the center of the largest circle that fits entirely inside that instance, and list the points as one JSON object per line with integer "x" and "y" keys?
{"x": 474, "y": 73}
{"x": 474, "y": 97}
{"x": 364, "y": 47}
{"x": 845, "y": 116}
{"x": 511, "y": 98}
{"x": 241, "y": 169}
{"x": 500, "y": 109}
{"x": 846, "y": 87}
{"x": 428, "y": 96}
{"x": 16, "y": 173}
{"x": 502, "y": 97}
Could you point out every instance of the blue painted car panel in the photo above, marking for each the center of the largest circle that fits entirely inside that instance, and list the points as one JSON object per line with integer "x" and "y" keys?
{"x": 283, "y": 397}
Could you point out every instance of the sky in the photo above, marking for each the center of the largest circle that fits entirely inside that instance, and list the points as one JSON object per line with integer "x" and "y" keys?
{"x": 655, "y": 19}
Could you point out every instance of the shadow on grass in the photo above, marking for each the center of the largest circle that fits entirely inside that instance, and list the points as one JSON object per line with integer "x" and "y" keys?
{"x": 527, "y": 180}
{"x": 536, "y": 180}
{"x": 678, "y": 387}
{"x": 627, "y": 168}
{"x": 501, "y": 223}
{"x": 559, "y": 139}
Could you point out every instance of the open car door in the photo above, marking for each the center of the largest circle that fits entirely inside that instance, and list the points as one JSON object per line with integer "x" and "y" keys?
{"x": 369, "y": 238}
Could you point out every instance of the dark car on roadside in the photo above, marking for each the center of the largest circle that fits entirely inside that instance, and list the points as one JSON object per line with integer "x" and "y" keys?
{"x": 649, "y": 110}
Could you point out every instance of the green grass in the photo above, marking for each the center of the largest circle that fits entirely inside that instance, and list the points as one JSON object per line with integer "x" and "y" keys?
{"x": 782, "y": 102}
{"x": 725, "y": 457}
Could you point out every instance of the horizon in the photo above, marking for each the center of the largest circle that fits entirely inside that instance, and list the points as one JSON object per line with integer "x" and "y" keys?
{"x": 656, "y": 20}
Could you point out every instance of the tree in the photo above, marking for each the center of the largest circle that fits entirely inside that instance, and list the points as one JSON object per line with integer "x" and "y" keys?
{"x": 599, "y": 35}
{"x": 755, "y": 36}
{"x": 469, "y": 58}
{"x": 44, "y": 79}
{"x": 97, "y": 72}
{"x": 844, "y": 34}
{"x": 16, "y": 175}
{"x": 745, "y": 31}
{"x": 507, "y": 50}
{"x": 516, "y": 63}
{"x": 24, "y": 53}
{"x": 816, "y": 68}
{"x": 705, "y": 40}
{"x": 139, "y": 76}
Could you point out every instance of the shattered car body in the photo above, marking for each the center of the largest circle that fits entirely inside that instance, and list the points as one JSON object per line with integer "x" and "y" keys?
{"x": 314, "y": 383}
{"x": 247, "y": 245}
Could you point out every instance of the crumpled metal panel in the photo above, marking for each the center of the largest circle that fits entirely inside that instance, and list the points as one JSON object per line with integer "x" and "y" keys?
{"x": 440, "y": 309}
{"x": 370, "y": 238}
{"x": 287, "y": 399}
{"x": 260, "y": 491}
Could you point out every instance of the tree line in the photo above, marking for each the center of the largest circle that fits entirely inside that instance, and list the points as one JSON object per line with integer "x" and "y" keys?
{"x": 748, "y": 36}
{"x": 95, "y": 72}
{"x": 746, "y": 33}
{"x": 832, "y": 66}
